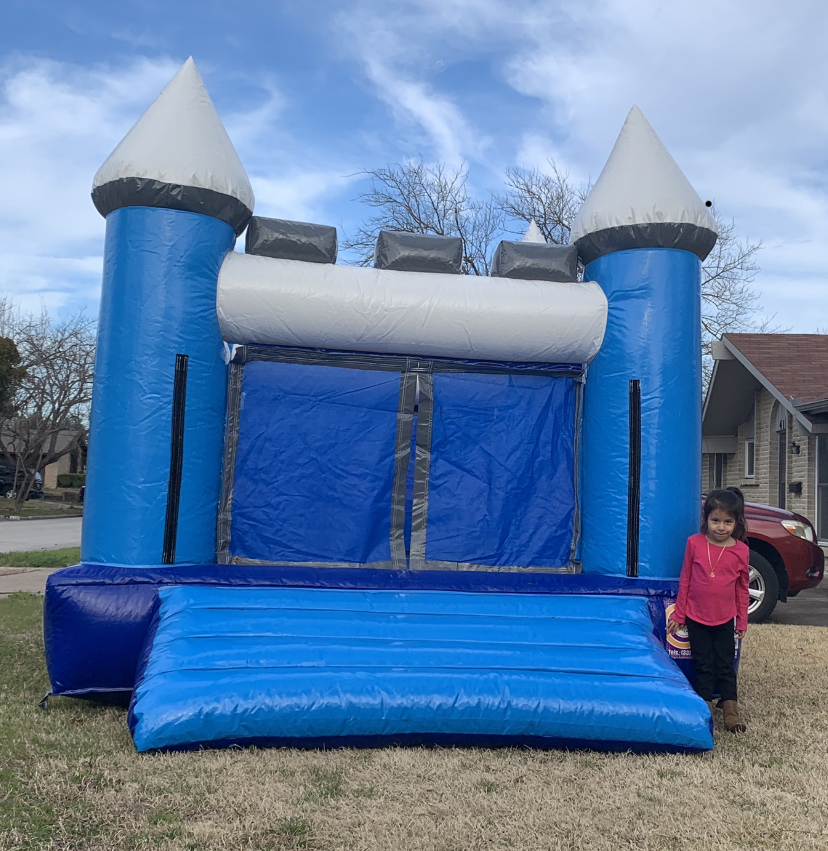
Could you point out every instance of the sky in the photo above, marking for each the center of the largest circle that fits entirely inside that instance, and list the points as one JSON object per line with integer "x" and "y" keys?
{"x": 313, "y": 92}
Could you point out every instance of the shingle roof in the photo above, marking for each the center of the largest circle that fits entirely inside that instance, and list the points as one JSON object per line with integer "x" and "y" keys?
{"x": 796, "y": 364}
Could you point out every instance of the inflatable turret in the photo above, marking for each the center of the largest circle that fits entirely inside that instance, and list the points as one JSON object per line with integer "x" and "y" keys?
{"x": 642, "y": 234}
{"x": 175, "y": 195}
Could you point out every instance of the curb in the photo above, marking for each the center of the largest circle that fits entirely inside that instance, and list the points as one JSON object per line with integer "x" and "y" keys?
{"x": 12, "y": 517}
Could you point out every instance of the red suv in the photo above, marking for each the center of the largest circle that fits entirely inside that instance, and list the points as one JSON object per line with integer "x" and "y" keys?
{"x": 784, "y": 557}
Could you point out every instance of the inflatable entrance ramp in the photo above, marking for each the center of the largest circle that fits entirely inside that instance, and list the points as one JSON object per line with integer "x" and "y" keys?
{"x": 335, "y": 667}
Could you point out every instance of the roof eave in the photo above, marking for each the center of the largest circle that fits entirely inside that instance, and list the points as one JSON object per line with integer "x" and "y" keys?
{"x": 709, "y": 388}
{"x": 808, "y": 424}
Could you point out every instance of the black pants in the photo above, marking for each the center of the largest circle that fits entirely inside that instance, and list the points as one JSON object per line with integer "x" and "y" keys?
{"x": 713, "y": 649}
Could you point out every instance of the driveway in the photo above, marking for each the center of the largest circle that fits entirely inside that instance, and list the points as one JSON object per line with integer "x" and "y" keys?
{"x": 808, "y": 608}
{"x": 16, "y": 535}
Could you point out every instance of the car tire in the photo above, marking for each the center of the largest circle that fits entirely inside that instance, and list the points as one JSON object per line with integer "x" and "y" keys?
{"x": 764, "y": 588}
{"x": 10, "y": 494}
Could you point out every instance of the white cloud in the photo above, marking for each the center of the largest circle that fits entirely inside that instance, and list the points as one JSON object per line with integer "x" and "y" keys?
{"x": 392, "y": 43}
{"x": 297, "y": 195}
{"x": 57, "y": 125}
{"x": 735, "y": 90}
{"x": 291, "y": 178}
{"x": 59, "y": 122}
{"x": 414, "y": 102}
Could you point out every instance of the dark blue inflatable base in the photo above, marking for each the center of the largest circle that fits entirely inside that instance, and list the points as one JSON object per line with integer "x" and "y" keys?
{"x": 335, "y": 667}
{"x": 96, "y": 617}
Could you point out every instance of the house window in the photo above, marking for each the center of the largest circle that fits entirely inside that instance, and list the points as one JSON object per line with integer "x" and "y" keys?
{"x": 750, "y": 445}
{"x": 750, "y": 458}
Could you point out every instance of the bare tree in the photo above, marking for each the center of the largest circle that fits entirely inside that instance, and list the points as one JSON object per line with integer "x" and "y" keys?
{"x": 416, "y": 197}
{"x": 50, "y": 414}
{"x": 420, "y": 198}
{"x": 729, "y": 304}
{"x": 551, "y": 199}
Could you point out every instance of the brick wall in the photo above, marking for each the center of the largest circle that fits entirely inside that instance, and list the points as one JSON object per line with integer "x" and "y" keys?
{"x": 51, "y": 471}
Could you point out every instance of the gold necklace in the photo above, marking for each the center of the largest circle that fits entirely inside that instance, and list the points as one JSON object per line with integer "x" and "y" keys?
{"x": 709, "y": 560}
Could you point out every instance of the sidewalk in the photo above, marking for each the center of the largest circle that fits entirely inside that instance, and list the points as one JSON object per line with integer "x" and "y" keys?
{"x": 31, "y": 579}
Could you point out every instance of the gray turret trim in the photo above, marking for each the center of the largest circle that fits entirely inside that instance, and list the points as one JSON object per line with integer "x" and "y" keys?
{"x": 684, "y": 236}
{"x": 147, "y": 192}
{"x": 642, "y": 199}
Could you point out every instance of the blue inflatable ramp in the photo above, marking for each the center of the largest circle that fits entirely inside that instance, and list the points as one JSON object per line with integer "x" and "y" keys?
{"x": 335, "y": 667}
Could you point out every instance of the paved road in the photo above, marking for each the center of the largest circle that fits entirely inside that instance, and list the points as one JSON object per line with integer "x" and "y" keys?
{"x": 808, "y": 608}
{"x": 55, "y": 534}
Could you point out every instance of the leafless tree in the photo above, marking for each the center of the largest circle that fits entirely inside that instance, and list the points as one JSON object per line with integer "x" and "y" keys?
{"x": 420, "y": 198}
{"x": 50, "y": 415}
{"x": 729, "y": 304}
{"x": 416, "y": 197}
{"x": 551, "y": 199}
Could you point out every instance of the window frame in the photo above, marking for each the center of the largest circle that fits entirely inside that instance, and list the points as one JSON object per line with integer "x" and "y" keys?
{"x": 750, "y": 458}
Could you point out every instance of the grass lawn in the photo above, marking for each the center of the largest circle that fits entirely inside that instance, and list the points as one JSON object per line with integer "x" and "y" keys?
{"x": 71, "y": 779}
{"x": 39, "y": 508}
{"x": 41, "y": 558}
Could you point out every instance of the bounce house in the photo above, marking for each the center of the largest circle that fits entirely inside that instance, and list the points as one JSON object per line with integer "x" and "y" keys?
{"x": 331, "y": 505}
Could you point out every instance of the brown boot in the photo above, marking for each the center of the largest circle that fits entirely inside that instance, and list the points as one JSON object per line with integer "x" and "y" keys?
{"x": 732, "y": 722}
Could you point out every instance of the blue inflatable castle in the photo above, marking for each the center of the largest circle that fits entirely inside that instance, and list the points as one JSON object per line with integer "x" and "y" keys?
{"x": 330, "y": 505}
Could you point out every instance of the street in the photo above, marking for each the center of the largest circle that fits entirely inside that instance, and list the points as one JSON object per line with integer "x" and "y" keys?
{"x": 17, "y": 535}
{"x": 808, "y": 608}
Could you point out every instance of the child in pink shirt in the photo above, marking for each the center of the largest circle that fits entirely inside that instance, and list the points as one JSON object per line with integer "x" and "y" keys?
{"x": 713, "y": 591}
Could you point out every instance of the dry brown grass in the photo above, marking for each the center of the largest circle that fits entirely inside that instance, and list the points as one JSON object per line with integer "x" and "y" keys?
{"x": 74, "y": 780}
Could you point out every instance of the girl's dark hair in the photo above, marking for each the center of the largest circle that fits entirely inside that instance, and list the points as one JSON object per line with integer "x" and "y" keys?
{"x": 732, "y": 502}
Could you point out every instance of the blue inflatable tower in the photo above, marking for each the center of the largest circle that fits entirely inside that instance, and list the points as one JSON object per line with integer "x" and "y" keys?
{"x": 175, "y": 195}
{"x": 642, "y": 234}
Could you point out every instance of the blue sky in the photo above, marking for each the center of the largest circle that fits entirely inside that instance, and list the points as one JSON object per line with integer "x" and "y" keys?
{"x": 311, "y": 92}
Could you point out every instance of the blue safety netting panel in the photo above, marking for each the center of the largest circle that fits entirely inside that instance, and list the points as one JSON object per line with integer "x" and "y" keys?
{"x": 329, "y": 667}
{"x": 314, "y": 464}
{"x": 502, "y": 482}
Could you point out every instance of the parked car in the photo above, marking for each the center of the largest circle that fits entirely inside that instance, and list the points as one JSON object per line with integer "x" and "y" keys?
{"x": 784, "y": 557}
{"x": 10, "y": 481}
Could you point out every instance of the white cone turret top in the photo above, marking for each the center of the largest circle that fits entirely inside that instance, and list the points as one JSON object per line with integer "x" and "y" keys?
{"x": 178, "y": 155}
{"x": 642, "y": 200}
{"x": 533, "y": 234}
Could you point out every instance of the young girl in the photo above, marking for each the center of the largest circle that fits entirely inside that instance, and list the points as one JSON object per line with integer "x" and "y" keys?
{"x": 713, "y": 590}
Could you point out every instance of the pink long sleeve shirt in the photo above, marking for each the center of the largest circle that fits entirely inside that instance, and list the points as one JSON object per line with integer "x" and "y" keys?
{"x": 713, "y": 600}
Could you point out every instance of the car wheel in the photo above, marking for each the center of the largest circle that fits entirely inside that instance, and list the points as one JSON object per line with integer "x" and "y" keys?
{"x": 764, "y": 588}
{"x": 10, "y": 494}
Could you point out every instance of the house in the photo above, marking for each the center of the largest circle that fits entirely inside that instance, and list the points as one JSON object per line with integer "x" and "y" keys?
{"x": 73, "y": 461}
{"x": 765, "y": 421}
{"x": 70, "y": 461}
